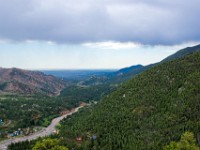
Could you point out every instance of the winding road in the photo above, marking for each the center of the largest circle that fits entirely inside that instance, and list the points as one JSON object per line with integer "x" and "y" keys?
{"x": 45, "y": 132}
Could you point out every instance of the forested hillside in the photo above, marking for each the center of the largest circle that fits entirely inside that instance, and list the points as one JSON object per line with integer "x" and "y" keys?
{"x": 25, "y": 113}
{"x": 154, "y": 108}
{"x": 182, "y": 53}
{"x": 86, "y": 94}
{"x": 126, "y": 74}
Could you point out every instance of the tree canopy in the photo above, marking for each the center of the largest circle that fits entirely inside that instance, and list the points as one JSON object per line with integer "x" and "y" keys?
{"x": 187, "y": 142}
{"x": 49, "y": 144}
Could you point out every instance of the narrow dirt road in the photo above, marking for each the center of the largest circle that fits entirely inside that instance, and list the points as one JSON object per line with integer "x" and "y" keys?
{"x": 45, "y": 132}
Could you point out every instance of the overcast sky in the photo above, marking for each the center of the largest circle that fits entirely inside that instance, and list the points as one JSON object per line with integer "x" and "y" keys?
{"x": 75, "y": 34}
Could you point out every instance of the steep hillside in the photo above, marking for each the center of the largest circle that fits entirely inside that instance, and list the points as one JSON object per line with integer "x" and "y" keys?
{"x": 148, "y": 112}
{"x": 17, "y": 81}
{"x": 128, "y": 75}
{"x": 114, "y": 77}
{"x": 95, "y": 85}
{"x": 127, "y": 70}
{"x": 134, "y": 71}
{"x": 125, "y": 74}
{"x": 182, "y": 53}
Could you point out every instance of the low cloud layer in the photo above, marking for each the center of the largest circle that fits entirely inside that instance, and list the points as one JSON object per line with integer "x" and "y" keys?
{"x": 155, "y": 22}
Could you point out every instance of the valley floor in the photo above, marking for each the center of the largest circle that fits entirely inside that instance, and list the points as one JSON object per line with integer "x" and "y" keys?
{"x": 45, "y": 132}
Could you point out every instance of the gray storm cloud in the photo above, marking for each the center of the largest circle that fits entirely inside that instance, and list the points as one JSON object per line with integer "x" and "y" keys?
{"x": 150, "y": 22}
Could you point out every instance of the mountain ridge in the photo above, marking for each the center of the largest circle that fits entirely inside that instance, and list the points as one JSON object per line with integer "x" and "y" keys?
{"x": 19, "y": 81}
{"x": 180, "y": 53}
{"x": 147, "y": 112}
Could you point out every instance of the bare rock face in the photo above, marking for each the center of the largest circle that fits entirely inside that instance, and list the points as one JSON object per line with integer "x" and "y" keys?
{"x": 17, "y": 81}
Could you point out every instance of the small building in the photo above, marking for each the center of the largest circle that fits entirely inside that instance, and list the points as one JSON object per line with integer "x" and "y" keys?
{"x": 79, "y": 139}
{"x": 94, "y": 137}
{"x": 83, "y": 104}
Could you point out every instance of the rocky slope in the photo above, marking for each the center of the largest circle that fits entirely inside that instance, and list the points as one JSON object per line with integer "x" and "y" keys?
{"x": 17, "y": 81}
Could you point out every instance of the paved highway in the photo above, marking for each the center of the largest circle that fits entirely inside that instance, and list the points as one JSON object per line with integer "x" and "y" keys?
{"x": 45, "y": 132}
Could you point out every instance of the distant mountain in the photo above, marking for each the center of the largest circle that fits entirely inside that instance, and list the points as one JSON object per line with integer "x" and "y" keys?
{"x": 18, "y": 81}
{"x": 77, "y": 74}
{"x": 134, "y": 71}
{"x": 148, "y": 112}
{"x": 182, "y": 53}
{"x": 112, "y": 77}
{"x": 110, "y": 81}
{"x": 127, "y": 70}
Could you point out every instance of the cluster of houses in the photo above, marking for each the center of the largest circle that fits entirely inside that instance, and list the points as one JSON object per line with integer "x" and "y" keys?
{"x": 15, "y": 133}
{"x": 5, "y": 134}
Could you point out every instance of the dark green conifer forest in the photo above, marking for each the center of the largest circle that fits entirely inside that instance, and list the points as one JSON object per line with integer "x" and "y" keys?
{"x": 157, "y": 109}
{"x": 148, "y": 112}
